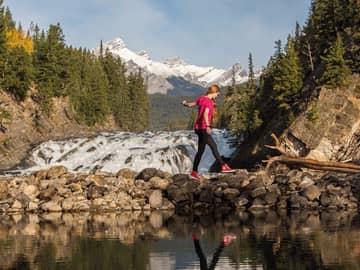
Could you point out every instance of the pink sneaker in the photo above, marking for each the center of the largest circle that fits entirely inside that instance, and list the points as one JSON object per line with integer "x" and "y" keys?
{"x": 228, "y": 239}
{"x": 195, "y": 175}
{"x": 226, "y": 169}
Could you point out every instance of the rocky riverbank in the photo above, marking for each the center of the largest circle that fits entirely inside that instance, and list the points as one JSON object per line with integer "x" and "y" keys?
{"x": 58, "y": 190}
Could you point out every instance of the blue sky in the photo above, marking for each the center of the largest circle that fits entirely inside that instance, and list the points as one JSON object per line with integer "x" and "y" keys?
{"x": 202, "y": 32}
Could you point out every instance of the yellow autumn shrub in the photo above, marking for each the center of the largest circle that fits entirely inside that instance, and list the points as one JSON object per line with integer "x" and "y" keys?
{"x": 17, "y": 38}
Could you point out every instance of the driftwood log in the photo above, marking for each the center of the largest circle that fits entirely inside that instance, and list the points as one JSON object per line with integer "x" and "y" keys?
{"x": 287, "y": 159}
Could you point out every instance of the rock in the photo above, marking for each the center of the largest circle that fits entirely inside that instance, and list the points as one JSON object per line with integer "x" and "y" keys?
{"x": 31, "y": 191}
{"x": 4, "y": 190}
{"x": 297, "y": 201}
{"x": 81, "y": 206}
{"x": 180, "y": 178}
{"x": 97, "y": 180}
{"x": 67, "y": 204}
{"x": 282, "y": 168}
{"x": 41, "y": 174}
{"x": 167, "y": 205}
{"x": 274, "y": 188}
{"x": 148, "y": 173}
{"x": 75, "y": 187}
{"x": 159, "y": 183}
{"x": 271, "y": 198}
{"x": 282, "y": 204}
{"x": 31, "y": 229}
{"x": 96, "y": 191}
{"x": 156, "y": 220}
{"x": 47, "y": 194}
{"x": 255, "y": 183}
{"x": 178, "y": 195}
{"x": 237, "y": 181}
{"x": 267, "y": 181}
{"x": 218, "y": 193}
{"x": 155, "y": 199}
{"x": 258, "y": 204}
{"x": 230, "y": 193}
{"x": 328, "y": 200}
{"x": 206, "y": 196}
{"x": 258, "y": 192}
{"x": 311, "y": 193}
{"x": 241, "y": 202}
{"x": 352, "y": 205}
{"x": 281, "y": 178}
{"x": 33, "y": 206}
{"x": 51, "y": 207}
{"x": 98, "y": 202}
{"x": 23, "y": 198}
{"x": 126, "y": 173}
{"x": 56, "y": 172}
{"x": 17, "y": 205}
{"x": 306, "y": 182}
{"x": 334, "y": 190}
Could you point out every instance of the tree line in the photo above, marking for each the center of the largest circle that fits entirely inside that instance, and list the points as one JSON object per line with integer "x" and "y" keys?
{"x": 39, "y": 64}
{"x": 324, "y": 52}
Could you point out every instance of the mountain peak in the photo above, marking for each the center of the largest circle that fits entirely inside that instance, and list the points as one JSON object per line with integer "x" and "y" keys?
{"x": 144, "y": 54}
{"x": 174, "y": 61}
{"x": 116, "y": 44}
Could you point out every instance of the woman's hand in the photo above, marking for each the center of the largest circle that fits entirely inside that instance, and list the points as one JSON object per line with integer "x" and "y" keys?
{"x": 184, "y": 102}
{"x": 208, "y": 130}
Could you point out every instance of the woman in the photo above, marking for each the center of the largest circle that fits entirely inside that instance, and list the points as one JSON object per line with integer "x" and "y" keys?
{"x": 205, "y": 115}
{"x": 227, "y": 239}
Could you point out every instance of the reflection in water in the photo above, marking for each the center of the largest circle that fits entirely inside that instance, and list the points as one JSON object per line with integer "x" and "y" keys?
{"x": 161, "y": 240}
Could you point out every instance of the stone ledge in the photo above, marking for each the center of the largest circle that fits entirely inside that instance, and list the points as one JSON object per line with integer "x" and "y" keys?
{"x": 58, "y": 190}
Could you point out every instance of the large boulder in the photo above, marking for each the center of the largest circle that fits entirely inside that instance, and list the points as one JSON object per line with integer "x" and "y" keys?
{"x": 334, "y": 133}
{"x": 148, "y": 173}
{"x": 56, "y": 171}
{"x": 4, "y": 189}
{"x": 155, "y": 199}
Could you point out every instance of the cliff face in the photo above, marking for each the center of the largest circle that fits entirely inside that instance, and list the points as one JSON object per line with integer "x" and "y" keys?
{"x": 328, "y": 130}
{"x": 28, "y": 126}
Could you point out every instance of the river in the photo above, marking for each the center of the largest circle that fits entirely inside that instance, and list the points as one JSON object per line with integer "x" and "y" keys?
{"x": 163, "y": 241}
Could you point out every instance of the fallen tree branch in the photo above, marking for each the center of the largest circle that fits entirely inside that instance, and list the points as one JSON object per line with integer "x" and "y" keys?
{"x": 308, "y": 163}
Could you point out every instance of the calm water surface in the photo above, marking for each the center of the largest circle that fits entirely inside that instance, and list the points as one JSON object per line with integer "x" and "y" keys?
{"x": 161, "y": 241}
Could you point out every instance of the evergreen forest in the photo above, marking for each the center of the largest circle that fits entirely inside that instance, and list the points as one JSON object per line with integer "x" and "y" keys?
{"x": 322, "y": 53}
{"x": 37, "y": 63}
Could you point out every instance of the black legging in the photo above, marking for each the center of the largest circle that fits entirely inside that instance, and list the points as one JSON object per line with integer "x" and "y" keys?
{"x": 204, "y": 139}
{"x": 202, "y": 258}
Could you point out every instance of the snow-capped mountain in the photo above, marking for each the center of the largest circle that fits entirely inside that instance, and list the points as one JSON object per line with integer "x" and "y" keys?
{"x": 164, "y": 76}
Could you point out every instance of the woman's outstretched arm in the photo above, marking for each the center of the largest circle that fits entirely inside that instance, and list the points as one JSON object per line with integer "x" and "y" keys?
{"x": 188, "y": 104}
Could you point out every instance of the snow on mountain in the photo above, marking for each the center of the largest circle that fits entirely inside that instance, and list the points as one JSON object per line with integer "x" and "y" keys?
{"x": 159, "y": 73}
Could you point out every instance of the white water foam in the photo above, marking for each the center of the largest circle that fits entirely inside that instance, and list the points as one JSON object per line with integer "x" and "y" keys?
{"x": 169, "y": 151}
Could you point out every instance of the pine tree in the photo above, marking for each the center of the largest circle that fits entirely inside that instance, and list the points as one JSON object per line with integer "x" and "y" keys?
{"x": 352, "y": 36}
{"x": 240, "y": 108}
{"x": 50, "y": 66}
{"x": 9, "y": 22}
{"x": 119, "y": 98}
{"x": 18, "y": 72}
{"x": 288, "y": 81}
{"x": 139, "y": 101}
{"x": 251, "y": 77}
{"x": 336, "y": 70}
{"x": 231, "y": 89}
{"x": 237, "y": 108}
